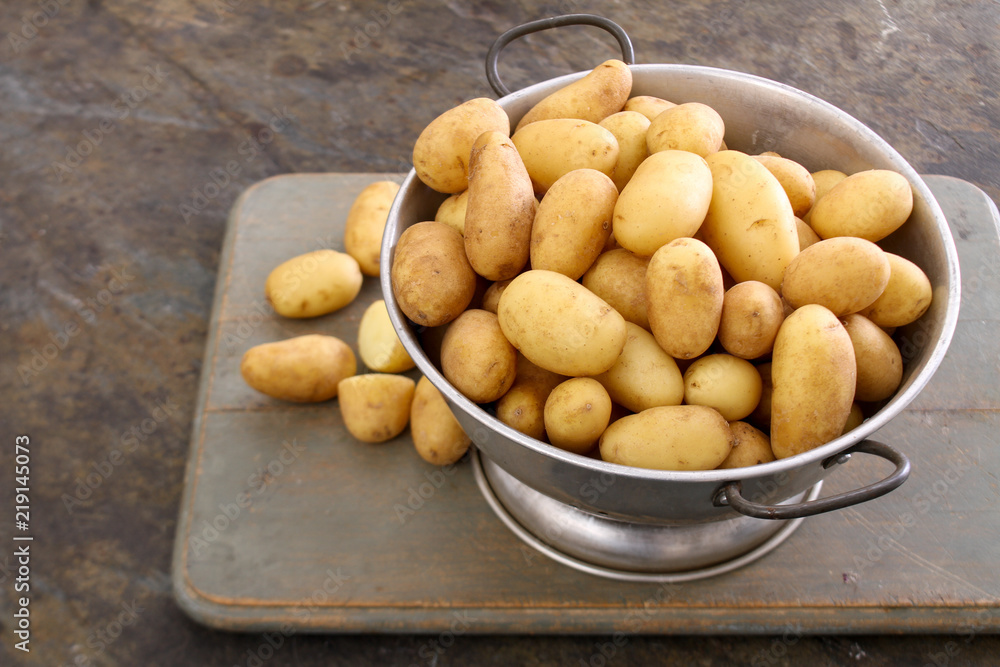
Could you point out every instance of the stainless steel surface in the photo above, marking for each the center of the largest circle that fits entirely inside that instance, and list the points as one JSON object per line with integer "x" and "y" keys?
{"x": 760, "y": 115}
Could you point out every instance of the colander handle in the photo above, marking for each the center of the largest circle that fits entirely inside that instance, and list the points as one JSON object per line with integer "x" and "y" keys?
{"x": 730, "y": 494}
{"x": 628, "y": 53}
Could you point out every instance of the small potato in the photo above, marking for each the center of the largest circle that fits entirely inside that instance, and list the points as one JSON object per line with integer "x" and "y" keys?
{"x": 750, "y": 447}
{"x": 551, "y": 148}
{"x": 619, "y": 277}
{"x": 629, "y": 128}
{"x": 576, "y": 414}
{"x": 452, "y": 211}
{"x": 844, "y": 274}
{"x": 855, "y": 419}
{"x": 648, "y": 106}
{"x": 761, "y": 415}
{"x": 441, "y": 152}
{"x": 431, "y": 276}
{"x": 692, "y": 126}
{"x": 869, "y": 205}
{"x": 880, "y": 365}
{"x": 729, "y": 384}
{"x": 824, "y": 181}
{"x": 596, "y": 96}
{"x": 376, "y": 406}
{"x": 674, "y": 437}
{"x": 523, "y": 406}
{"x": 437, "y": 435}
{"x": 476, "y": 357}
{"x": 304, "y": 369}
{"x": 366, "y": 222}
{"x": 644, "y": 376}
{"x": 313, "y": 284}
{"x": 378, "y": 344}
{"x": 795, "y": 180}
{"x": 906, "y": 297}
{"x": 491, "y": 298}
{"x": 752, "y": 313}
{"x": 684, "y": 297}
{"x": 573, "y": 222}
{"x": 807, "y": 236}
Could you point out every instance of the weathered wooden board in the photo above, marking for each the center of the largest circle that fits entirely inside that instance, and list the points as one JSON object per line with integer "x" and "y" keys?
{"x": 289, "y": 524}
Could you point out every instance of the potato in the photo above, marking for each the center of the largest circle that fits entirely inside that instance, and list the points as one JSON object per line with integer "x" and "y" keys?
{"x": 814, "y": 372}
{"x": 629, "y": 128}
{"x": 906, "y": 297}
{"x": 666, "y": 199}
{"x": 452, "y": 211}
{"x": 619, "y": 277}
{"x": 750, "y": 447}
{"x": 684, "y": 297}
{"x": 807, "y": 236}
{"x": 761, "y": 415}
{"x": 729, "y": 384}
{"x": 573, "y": 222}
{"x": 692, "y": 126}
{"x": 795, "y": 180}
{"x": 366, "y": 222}
{"x": 855, "y": 419}
{"x": 523, "y": 406}
{"x": 599, "y": 94}
{"x": 501, "y": 209}
{"x": 648, "y": 106}
{"x": 559, "y": 324}
{"x": 869, "y": 205}
{"x": 644, "y": 376}
{"x": 375, "y": 406}
{"x": 824, "y": 180}
{"x": 437, "y": 435}
{"x": 751, "y": 315}
{"x": 477, "y": 358}
{"x": 441, "y": 152}
{"x": 431, "y": 276}
{"x": 491, "y": 298}
{"x": 551, "y": 148}
{"x": 379, "y": 344}
{"x": 844, "y": 274}
{"x": 576, "y": 414}
{"x": 749, "y": 224}
{"x": 313, "y": 284}
{"x": 880, "y": 365}
{"x": 304, "y": 369}
{"x": 674, "y": 437}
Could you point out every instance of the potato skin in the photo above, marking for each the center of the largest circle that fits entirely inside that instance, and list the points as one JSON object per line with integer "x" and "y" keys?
{"x": 452, "y": 211}
{"x": 906, "y": 296}
{"x": 729, "y": 384}
{"x": 648, "y": 106}
{"x": 869, "y": 205}
{"x": 576, "y": 413}
{"x": 824, "y": 181}
{"x": 629, "y": 128}
{"x": 795, "y": 180}
{"x": 599, "y": 94}
{"x": 366, "y": 222}
{"x": 313, "y": 284}
{"x": 477, "y": 358}
{"x": 551, "y": 148}
{"x": 376, "y": 406}
{"x": 431, "y": 276}
{"x": 523, "y": 406}
{"x": 644, "y": 376}
{"x": 378, "y": 343}
{"x": 880, "y": 364}
{"x": 814, "y": 373}
{"x": 807, "y": 236}
{"x": 619, "y": 277}
{"x": 692, "y": 127}
{"x": 675, "y": 437}
{"x": 750, "y": 447}
{"x": 437, "y": 435}
{"x": 752, "y": 313}
{"x": 845, "y": 274}
{"x": 304, "y": 369}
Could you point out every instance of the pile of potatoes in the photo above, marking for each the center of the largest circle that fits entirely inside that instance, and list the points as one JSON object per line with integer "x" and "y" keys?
{"x": 375, "y": 406}
{"x": 611, "y": 279}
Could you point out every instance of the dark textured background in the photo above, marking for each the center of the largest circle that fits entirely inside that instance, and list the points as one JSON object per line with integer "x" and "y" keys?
{"x": 165, "y": 93}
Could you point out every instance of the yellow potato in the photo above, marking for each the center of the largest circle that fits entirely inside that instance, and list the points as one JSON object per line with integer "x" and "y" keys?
{"x": 573, "y": 222}
{"x": 729, "y": 384}
{"x": 761, "y": 415}
{"x": 629, "y": 128}
{"x": 795, "y": 180}
{"x": 441, "y": 152}
{"x": 366, "y": 222}
{"x": 491, "y": 298}
{"x": 559, "y": 324}
{"x": 845, "y": 274}
{"x": 431, "y": 276}
{"x": 666, "y": 199}
{"x": 880, "y": 365}
{"x": 814, "y": 372}
{"x": 692, "y": 126}
{"x": 648, "y": 106}
{"x": 551, "y": 148}
{"x": 684, "y": 297}
{"x": 619, "y": 277}
{"x": 378, "y": 344}
{"x": 313, "y": 284}
{"x": 304, "y": 369}
{"x": 476, "y": 357}
{"x": 501, "y": 209}
{"x": 906, "y": 297}
{"x": 869, "y": 205}
{"x": 750, "y": 447}
{"x": 375, "y": 406}
{"x": 599, "y": 94}
{"x": 644, "y": 376}
{"x": 452, "y": 211}
{"x": 674, "y": 437}
{"x": 807, "y": 236}
{"x": 824, "y": 180}
{"x": 437, "y": 435}
{"x": 523, "y": 406}
{"x": 751, "y": 315}
{"x": 576, "y": 414}
{"x": 855, "y": 419}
